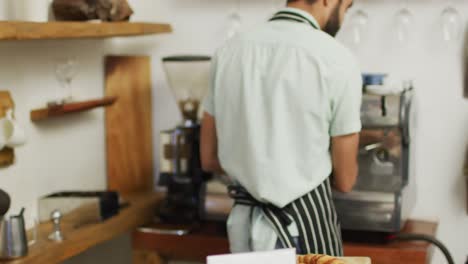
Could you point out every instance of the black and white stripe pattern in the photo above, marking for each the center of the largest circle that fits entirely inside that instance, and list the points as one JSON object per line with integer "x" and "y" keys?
{"x": 314, "y": 215}
{"x": 282, "y": 232}
{"x": 317, "y": 222}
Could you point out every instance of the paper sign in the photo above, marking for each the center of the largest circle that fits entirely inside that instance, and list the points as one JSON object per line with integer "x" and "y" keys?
{"x": 282, "y": 256}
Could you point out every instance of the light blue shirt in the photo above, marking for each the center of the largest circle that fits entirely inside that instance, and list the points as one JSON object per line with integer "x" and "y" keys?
{"x": 278, "y": 93}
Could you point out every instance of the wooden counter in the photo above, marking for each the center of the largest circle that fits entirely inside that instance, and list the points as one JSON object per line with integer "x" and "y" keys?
{"x": 398, "y": 252}
{"x": 210, "y": 239}
{"x": 77, "y": 240}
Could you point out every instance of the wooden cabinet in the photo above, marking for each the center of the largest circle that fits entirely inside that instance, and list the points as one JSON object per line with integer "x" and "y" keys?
{"x": 210, "y": 239}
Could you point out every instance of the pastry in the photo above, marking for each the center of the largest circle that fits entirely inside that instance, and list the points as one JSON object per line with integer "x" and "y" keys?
{"x": 318, "y": 259}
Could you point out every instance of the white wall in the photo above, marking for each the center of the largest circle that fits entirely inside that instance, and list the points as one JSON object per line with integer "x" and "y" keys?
{"x": 69, "y": 152}
{"x": 441, "y": 127}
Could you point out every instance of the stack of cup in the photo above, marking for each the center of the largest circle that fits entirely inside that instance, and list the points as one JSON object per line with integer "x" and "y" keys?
{"x": 3, "y": 10}
{"x": 27, "y": 10}
{"x": 11, "y": 133}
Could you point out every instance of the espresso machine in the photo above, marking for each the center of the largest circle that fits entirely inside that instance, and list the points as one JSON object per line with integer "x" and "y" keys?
{"x": 180, "y": 165}
{"x": 384, "y": 193}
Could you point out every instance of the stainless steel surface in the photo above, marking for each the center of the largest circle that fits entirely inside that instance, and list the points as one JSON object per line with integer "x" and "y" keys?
{"x": 380, "y": 111}
{"x": 384, "y": 194}
{"x": 56, "y": 234}
{"x": 368, "y": 148}
{"x": 384, "y": 153}
{"x": 405, "y": 114}
{"x": 363, "y": 196}
{"x": 173, "y": 232}
{"x": 381, "y": 164}
{"x": 177, "y": 163}
{"x": 13, "y": 240}
{"x": 370, "y": 211}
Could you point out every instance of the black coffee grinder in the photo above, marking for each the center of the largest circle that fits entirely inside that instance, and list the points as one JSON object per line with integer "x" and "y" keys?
{"x": 180, "y": 168}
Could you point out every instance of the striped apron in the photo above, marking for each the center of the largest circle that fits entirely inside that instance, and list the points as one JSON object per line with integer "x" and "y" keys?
{"x": 315, "y": 217}
{"x": 314, "y": 213}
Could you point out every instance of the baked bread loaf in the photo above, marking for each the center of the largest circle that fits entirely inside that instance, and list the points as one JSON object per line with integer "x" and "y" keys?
{"x": 318, "y": 259}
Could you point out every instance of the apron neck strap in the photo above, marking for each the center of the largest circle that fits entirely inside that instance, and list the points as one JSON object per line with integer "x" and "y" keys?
{"x": 292, "y": 16}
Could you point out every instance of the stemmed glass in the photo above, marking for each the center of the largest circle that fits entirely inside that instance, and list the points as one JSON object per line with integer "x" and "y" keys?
{"x": 403, "y": 23}
{"x": 359, "y": 21}
{"x": 65, "y": 70}
{"x": 451, "y": 23}
{"x": 235, "y": 21}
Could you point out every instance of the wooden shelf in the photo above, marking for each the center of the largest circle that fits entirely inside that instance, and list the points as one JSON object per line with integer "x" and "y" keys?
{"x": 77, "y": 240}
{"x": 15, "y": 30}
{"x": 68, "y": 108}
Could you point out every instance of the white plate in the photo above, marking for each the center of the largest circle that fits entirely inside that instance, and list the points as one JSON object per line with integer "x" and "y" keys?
{"x": 282, "y": 256}
{"x": 357, "y": 260}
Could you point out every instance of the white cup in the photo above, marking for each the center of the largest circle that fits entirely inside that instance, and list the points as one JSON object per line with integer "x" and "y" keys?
{"x": 29, "y": 10}
{"x": 12, "y": 134}
{"x": 3, "y": 137}
{"x": 3, "y": 10}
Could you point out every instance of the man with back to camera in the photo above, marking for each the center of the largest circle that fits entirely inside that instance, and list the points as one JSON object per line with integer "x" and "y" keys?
{"x": 282, "y": 115}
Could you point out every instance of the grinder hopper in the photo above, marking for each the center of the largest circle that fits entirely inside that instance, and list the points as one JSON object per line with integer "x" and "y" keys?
{"x": 188, "y": 77}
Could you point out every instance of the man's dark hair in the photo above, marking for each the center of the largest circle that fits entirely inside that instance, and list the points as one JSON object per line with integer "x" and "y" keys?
{"x": 308, "y": 1}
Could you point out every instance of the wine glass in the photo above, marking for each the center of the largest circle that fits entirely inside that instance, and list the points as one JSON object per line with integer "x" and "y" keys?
{"x": 359, "y": 21}
{"x": 235, "y": 22}
{"x": 65, "y": 71}
{"x": 451, "y": 24}
{"x": 403, "y": 23}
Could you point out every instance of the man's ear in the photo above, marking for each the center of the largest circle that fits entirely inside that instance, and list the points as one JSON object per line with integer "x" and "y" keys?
{"x": 329, "y": 3}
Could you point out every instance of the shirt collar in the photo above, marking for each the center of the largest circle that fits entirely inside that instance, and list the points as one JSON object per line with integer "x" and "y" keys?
{"x": 302, "y": 13}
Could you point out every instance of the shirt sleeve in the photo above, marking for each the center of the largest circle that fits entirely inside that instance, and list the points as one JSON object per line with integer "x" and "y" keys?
{"x": 208, "y": 102}
{"x": 346, "y": 102}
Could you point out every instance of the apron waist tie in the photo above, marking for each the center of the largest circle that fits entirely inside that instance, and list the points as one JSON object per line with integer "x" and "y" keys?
{"x": 277, "y": 216}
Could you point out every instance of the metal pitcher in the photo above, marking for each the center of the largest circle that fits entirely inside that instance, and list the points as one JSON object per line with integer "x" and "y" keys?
{"x": 13, "y": 239}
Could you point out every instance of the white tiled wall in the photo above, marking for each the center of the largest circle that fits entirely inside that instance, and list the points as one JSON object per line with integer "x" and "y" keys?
{"x": 69, "y": 153}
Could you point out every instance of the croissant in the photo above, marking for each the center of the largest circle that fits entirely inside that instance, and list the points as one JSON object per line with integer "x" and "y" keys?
{"x": 318, "y": 259}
